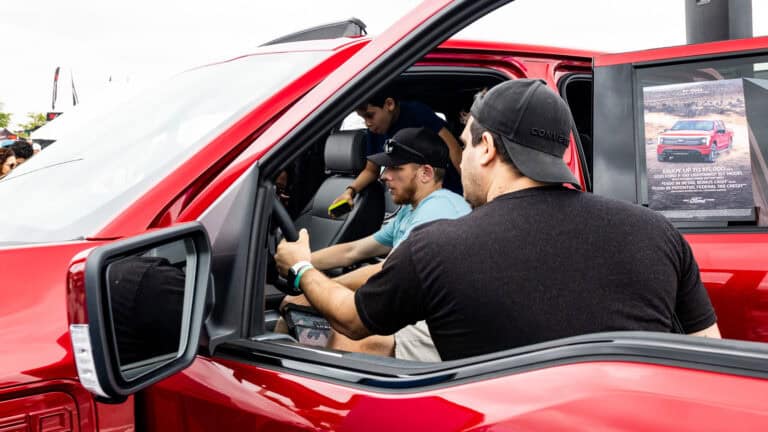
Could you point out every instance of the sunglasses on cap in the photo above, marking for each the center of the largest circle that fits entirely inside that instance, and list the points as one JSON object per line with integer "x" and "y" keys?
{"x": 392, "y": 144}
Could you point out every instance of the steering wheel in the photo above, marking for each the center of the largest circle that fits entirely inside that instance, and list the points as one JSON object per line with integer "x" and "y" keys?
{"x": 284, "y": 220}
{"x": 288, "y": 229}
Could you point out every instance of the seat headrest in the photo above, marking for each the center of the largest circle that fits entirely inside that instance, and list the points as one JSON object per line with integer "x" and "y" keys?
{"x": 345, "y": 152}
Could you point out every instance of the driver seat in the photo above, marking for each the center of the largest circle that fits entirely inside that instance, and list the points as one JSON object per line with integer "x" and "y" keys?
{"x": 344, "y": 160}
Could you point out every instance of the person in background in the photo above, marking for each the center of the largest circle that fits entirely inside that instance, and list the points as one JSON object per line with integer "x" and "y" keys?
{"x": 22, "y": 150}
{"x": 7, "y": 161}
{"x": 282, "y": 187}
{"x": 384, "y": 116}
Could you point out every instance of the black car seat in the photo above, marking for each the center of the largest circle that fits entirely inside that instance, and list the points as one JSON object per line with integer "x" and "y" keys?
{"x": 344, "y": 159}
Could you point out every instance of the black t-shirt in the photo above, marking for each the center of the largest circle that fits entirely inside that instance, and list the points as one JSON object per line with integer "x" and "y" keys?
{"x": 536, "y": 265}
{"x": 147, "y": 299}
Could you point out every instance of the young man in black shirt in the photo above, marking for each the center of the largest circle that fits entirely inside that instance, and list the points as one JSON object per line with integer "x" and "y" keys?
{"x": 534, "y": 261}
{"x": 385, "y": 115}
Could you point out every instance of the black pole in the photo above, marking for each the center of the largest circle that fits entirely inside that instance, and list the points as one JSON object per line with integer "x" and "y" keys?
{"x": 55, "y": 88}
{"x": 714, "y": 20}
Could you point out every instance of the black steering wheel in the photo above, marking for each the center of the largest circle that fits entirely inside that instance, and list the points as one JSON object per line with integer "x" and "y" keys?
{"x": 284, "y": 220}
{"x": 289, "y": 232}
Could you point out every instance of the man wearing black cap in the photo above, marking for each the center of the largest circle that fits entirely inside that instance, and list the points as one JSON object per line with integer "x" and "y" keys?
{"x": 414, "y": 162}
{"x": 384, "y": 115}
{"x": 534, "y": 261}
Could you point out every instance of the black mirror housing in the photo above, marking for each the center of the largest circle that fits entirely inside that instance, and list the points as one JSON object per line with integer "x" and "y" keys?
{"x": 145, "y": 299}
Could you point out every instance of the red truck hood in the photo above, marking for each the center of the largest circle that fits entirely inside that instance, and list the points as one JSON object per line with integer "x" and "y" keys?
{"x": 34, "y": 336}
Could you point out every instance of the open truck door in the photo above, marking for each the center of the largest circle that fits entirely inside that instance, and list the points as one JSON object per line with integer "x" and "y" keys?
{"x": 651, "y": 148}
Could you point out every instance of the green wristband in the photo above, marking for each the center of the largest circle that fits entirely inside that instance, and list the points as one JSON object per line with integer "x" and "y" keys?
{"x": 297, "y": 280}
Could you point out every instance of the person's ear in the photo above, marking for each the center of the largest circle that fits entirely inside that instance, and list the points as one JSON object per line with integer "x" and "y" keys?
{"x": 389, "y": 104}
{"x": 487, "y": 149}
{"x": 427, "y": 173}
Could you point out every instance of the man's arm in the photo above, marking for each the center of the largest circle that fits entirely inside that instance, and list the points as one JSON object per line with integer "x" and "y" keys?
{"x": 352, "y": 280}
{"x": 395, "y": 288}
{"x": 345, "y": 254}
{"x": 335, "y": 302}
{"x": 357, "y": 278}
{"x": 366, "y": 177}
{"x": 692, "y": 304}
{"x": 711, "y": 332}
{"x": 454, "y": 150}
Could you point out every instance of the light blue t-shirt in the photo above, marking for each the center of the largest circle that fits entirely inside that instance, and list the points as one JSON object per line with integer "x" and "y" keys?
{"x": 440, "y": 204}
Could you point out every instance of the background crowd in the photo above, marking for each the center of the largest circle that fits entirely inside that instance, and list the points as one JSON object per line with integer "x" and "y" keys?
{"x": 16, "y": 154}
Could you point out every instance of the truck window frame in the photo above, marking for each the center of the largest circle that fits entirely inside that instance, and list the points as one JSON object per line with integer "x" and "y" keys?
{"x": 619, "y": 158}
{"x": 643, "y": 73}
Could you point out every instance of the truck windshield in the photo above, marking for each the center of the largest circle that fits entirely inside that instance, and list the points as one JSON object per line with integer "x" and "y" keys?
{"x": 702, "y": 125}
{"x": 88, "y": 176}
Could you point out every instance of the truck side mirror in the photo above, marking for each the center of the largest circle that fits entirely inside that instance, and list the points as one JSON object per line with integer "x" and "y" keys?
{"x": 145, "y": 298}
{"x": 721, "y": 131}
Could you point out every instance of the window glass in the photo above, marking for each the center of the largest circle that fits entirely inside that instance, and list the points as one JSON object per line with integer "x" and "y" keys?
{"x": 705, "y": 141}
{"x": 352, "y": 122}
{"x": 92, "y": 173}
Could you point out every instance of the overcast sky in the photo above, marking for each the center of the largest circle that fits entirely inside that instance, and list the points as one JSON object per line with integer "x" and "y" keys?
{"x": 139, "y": 41}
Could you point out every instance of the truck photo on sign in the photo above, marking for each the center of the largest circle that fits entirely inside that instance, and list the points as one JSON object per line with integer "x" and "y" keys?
{"x": 697, "y": 151}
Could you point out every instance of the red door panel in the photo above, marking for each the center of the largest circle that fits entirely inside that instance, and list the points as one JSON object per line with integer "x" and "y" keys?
{"x": 227, "y": 395}
{"x": 735, "y": 271}
{"x": 47, "y": 412}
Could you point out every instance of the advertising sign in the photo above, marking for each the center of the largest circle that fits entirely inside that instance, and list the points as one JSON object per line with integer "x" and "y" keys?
{"x": 697, "y": 151}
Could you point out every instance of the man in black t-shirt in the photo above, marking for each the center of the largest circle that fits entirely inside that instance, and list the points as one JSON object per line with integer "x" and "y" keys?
{"x": 534, "y": 261}
{"x": 146, "y": 295}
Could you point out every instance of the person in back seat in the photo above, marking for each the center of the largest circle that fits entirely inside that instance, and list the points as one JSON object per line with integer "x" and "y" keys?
{"x": 534, "y": 261}
{"x": 384, "y": 116}
{"x": 414, "y": 162}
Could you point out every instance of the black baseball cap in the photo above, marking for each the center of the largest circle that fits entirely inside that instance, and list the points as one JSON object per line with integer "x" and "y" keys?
{"x": 534, "y": 124}
{"x": 413, "y": 145}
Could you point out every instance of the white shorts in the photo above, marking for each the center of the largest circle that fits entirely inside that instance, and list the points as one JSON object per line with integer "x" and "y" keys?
{"x": 414, "y": 342}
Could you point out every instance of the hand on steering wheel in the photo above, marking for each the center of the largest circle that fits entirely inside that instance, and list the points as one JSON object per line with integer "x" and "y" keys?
{"x": 288, "y": 229}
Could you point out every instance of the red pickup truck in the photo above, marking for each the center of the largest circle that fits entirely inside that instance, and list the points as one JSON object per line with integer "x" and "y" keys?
{"x": 696, "y": 137}
{"x": 175, "y": 205}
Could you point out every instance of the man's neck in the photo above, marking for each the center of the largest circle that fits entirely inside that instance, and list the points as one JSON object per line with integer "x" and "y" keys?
{"x": 507, "y": 182}
{"x": 424, "y": 192}
{"x": 395, "y": 116}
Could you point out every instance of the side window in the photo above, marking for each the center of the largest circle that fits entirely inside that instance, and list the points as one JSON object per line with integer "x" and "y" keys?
{"x": 705, "y": 141}
{"x": 354, "y": 121}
